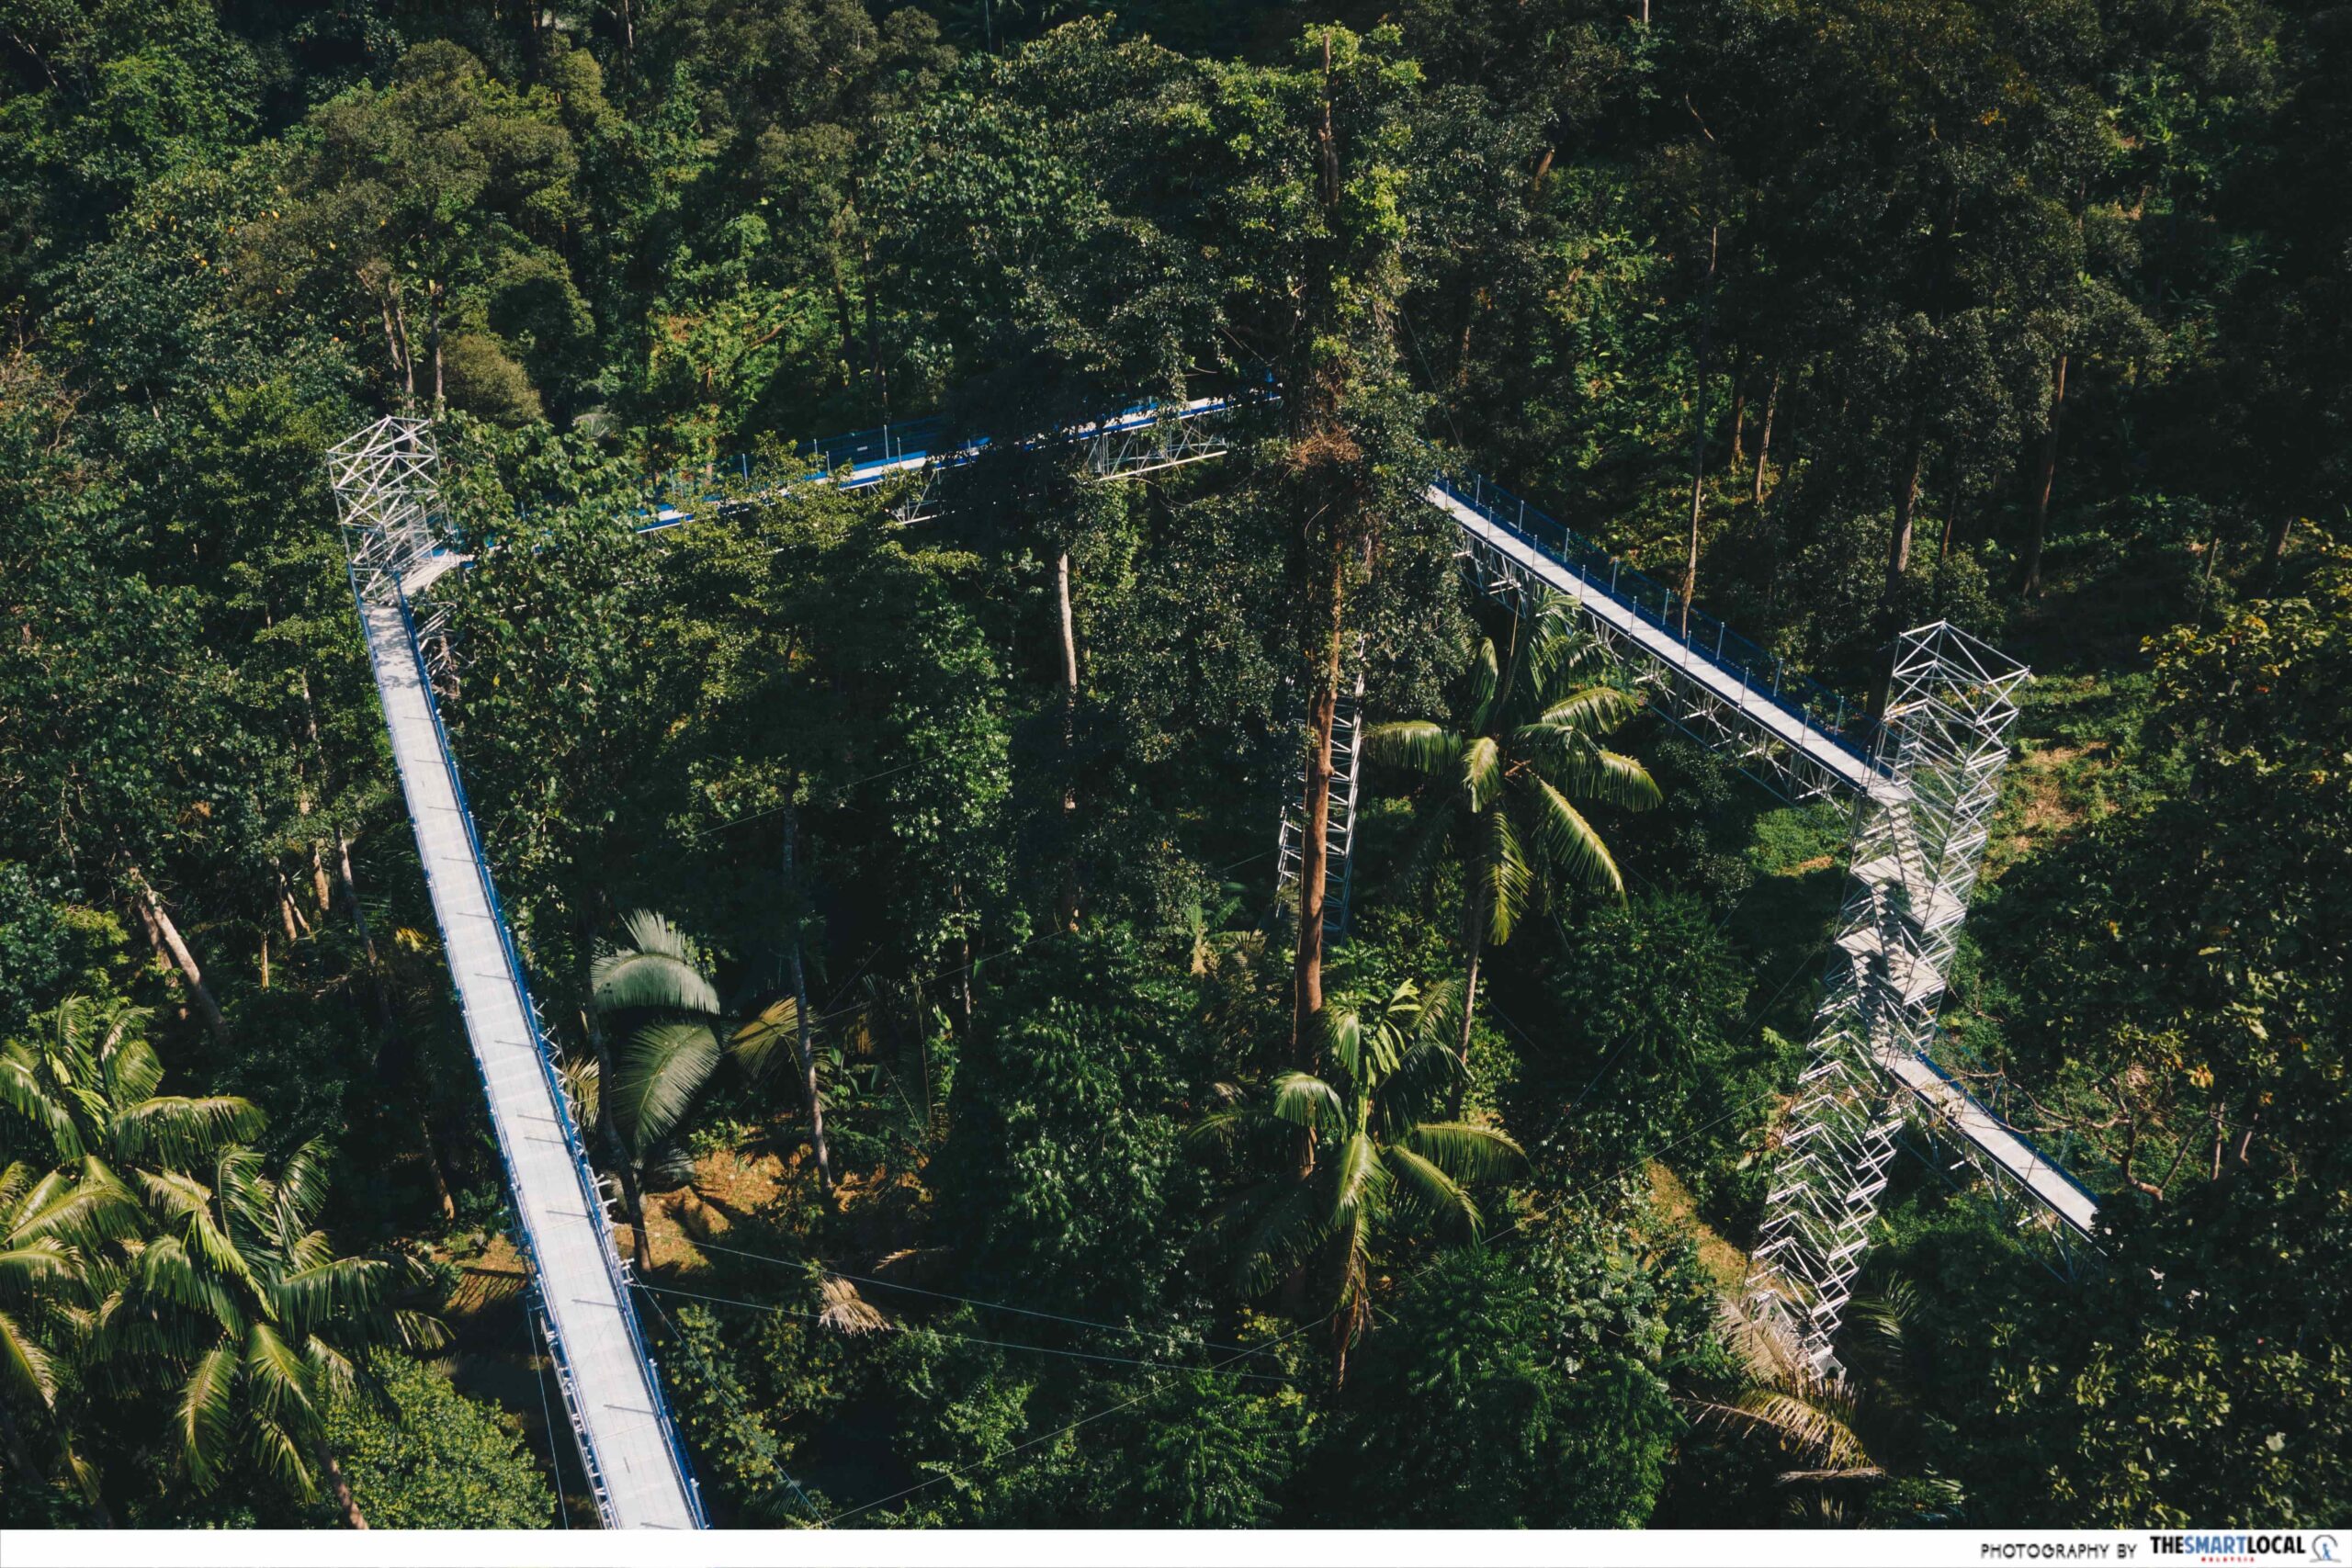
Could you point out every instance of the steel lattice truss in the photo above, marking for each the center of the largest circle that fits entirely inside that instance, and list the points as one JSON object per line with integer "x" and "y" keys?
{"x": 387, "y": 492}
{"x": 1920, "y": 831}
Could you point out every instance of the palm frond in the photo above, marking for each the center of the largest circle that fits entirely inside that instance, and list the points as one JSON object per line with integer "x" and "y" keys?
{"x": 1431, "y": 1189}
{"x": 1427, "y": 751}
{"x": 207, "y": 1414}
{"x": 1503, "y": 880}
{"x": 767, "y": 1037}
{"x": 1305, "y": 1100}
{"x": 22, "y": 1094}
{"x": 661, "y": 1069}
{"x": 300, "y": 1190}
{"x": 176, "y": 1130}
{"x": 1614, "y": 779}
{"x": 1569, "y": 844}
{"x": 847, "y": 1312}
{"x": 26, "y": 1369}
{"x": 1483, "y": 683}
{"x": 85, "y": 1208}
{"x": 1812, "y": 1428}
{"x": 659, "y": 971}
{"x": 1465, "y": 1151}
{"x": 274, "y": 1375}
{"x": 281, "y": 1456}
{"x": 1359, "y": 1181}
{"x": 1593, "y": 710}
{"x": 1283, "y": 1231}
{"x": 1482, "y": 772}
{"x": 650, "y": 931}
{"x": 308, "y": 1299}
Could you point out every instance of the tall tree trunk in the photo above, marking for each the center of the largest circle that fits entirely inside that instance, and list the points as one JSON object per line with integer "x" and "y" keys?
{"x": 2274, "y": 554}
{"x": 1738, "y": 443}
{"x": 1907, "y": 508}
{"x": 433, "y": 338}
{"x": 879, "y": 382}
{"x": 1306, "y": 981}
{"x": 339, "y": 1486}
{"x": 167, "y": 937}
{"x": 848, "y": 314}
{"x": 2045, "y": 475}
{"x": 1699, "y": 434}
{"x": 1952, "y": 510}
{"x": 1066, "y": 904}
{"x": 1478, "y": 935}
{"x": 1764, "y": 437}
{"x": 803, "y": 1047}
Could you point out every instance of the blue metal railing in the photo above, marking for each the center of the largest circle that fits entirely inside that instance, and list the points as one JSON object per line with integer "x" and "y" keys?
{"x": 860, "y": 459}
{"x": 1765, "y": 675}
{"x": 591, "y": 1192}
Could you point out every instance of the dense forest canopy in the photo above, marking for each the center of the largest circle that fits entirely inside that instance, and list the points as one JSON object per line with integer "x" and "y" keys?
{"x": 899, "y": 897}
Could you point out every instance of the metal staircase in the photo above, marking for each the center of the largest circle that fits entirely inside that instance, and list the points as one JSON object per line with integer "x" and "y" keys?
{"x": 1340, "y": 830}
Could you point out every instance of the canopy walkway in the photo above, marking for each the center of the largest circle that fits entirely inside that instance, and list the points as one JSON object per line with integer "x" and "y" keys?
{"x": 637, "y": 1470}
{"x": 1923, "y": 782}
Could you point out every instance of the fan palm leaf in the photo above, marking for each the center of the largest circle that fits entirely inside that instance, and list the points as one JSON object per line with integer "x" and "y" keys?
{"x": 658, "y": 971}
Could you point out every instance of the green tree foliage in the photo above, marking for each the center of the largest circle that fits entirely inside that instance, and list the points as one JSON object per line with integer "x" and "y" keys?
{"x": 1063, "y": 1173}
{"x": 421, "y": 1456}
{"x": 1537, "y": 1387}
{"x": 1844, "y": 317}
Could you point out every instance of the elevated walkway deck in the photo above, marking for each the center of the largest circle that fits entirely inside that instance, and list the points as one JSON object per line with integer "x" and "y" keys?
{"x": 627, "y": 1441}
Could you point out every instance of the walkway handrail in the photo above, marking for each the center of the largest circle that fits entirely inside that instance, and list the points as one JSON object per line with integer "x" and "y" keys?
{"x": 1765, "y": 674}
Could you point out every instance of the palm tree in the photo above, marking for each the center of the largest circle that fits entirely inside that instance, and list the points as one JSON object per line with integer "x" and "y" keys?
{"x": 237, "y": 1293}
{"x": 1389, "y": 1170}
{"x": 42, "y": 1283}
{"x": 223, "y": 1287}
{"x": 1502, "y": 789}
{"x": 680, "y": 1038}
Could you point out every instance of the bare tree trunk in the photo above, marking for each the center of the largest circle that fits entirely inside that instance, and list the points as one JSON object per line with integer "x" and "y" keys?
{"x": 1066, "y": 909}
{"x": 2274, "y": 555}
{"x": 1469, "y": 1009}
{"x": 433, "y": 336}
{"x": 167, "y": 937}
{"x": 1764, "y": 438}
{"x": 264, "y": 958}
{"x": 1698, "y": 434}
{"x": 408, "y": 353}
{"x": 1307, "y": 983}
{"x": 1906, "y": 507}
{"x": 2045, "y": 473}
{"x": 804, "y": 1049}
{"x": 339, "y": 1485}
{"x": 1738, "y": 453}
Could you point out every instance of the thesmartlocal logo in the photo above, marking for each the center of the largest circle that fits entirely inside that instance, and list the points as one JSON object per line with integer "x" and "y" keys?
{"x": 2245, "y": 1546}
